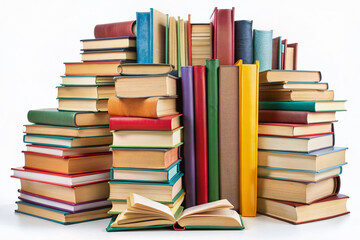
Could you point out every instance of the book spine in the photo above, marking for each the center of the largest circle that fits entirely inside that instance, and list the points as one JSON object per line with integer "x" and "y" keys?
{"x": 283, "y": 53}
{"x": 119, "y": 29}
{"x": 244, "y": 41}
{"x": 201, "y": 134}
{"x": 269, "y": 116}
{"x": 167, "y": 40}
{"x": 212, "y": 67}
{"x": 263, "y": 49}
{"x": 289, "y": 106}
{"x": 189, "y": 135}
{"x": 276, "y": 53}
{"x": 139, "y": 123}
{"x": 178, "y": 48}
{"x": 189, "y": 40}
{"x": 143, "y": 52}
{"x": 151, "y": 36}
{"x": 58, "y": 118}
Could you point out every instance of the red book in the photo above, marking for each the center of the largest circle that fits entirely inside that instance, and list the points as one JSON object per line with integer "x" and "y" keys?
{"x": 167, "y": 123}
{"x": 222, "y": 22}
{"x": 296, "y": 117}
{"x": 119, "y": 29}
{"x": 201, "y": 162}
{"x": 283, "y": 53}
{"x": 294, "y": 130}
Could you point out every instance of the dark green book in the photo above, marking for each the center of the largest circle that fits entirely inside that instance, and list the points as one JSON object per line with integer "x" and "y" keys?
{"x": 309, "y": 106}
{"x": 212, "y": 76}
{"x": 51, "y": 116}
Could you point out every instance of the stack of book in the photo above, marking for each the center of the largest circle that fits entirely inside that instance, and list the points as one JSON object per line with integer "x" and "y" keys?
{"x": 299, "y": 166}
{"x": 147, "y": 135}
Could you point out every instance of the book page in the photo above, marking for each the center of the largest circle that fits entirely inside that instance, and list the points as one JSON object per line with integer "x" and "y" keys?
{"x": 217, "y": 205}
{"x": 137, "y": 199}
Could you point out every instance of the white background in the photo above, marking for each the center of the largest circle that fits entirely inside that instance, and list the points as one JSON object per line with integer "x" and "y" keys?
{"x": 36, "y": 37}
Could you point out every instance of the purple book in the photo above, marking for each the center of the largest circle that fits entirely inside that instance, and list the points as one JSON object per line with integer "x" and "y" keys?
{"x": 189, "y": 135}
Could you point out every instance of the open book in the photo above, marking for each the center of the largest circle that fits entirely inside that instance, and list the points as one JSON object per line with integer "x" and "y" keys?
{"x": 142, "y": 213}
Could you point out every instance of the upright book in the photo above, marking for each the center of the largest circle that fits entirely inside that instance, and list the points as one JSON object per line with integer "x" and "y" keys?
{"x": 244, "y": 41}
{"x": 263, "y": 49}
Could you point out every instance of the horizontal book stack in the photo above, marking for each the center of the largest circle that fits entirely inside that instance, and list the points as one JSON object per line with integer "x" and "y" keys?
{"x": 147, "y": 135}
{"x": 299, "y": 166}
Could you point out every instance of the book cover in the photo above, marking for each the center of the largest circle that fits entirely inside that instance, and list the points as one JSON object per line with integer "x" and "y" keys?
{"x": 244, "y": 41}
{"x": 118, "y": 29}
{"x": 263, "y": 49}
{"x": 283, "y": 53}
{"x": 143, "y": 47}
{"x": 276, "y": 53}
{"x": 157, "y": 36}
{"x": 189, "y": 39}
{"x": 296, "y": 117}
{"x": 309, "y": 106}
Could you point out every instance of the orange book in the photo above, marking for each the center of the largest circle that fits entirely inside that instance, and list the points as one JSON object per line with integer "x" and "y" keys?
{"x": 248, "y": 136}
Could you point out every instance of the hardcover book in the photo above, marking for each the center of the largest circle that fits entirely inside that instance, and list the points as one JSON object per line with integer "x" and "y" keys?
{"x": 136, "y": 69}
{"x": 289, "y": 76}
{"x": 112, "y": 43}
{"x": 85, "y": 91}
{"x": 92, "y": 68}
{"x": 87, "y": 80}
{"x": 263, "y": 49}
{"x": 311, "y": 106}
{"x": 118, "y": 29}
{"x": 244, "y": 41}
{"x": 276, "y": 53}
{"x": 294, "y": 130}
{"x": 83, "y": 104}
{"x": 61, "y": 151}
{"x": 296, "y": 117}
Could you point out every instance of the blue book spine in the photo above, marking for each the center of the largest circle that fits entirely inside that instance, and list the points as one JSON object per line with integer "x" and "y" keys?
{"x": 143, "y": 50}
{"x": 263, "y": 49}
{"x": 244, "y": 41}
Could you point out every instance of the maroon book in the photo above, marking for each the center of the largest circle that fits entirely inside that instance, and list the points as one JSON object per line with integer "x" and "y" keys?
{"x": 118, "y": 29}
{"x": 295, "y": 117}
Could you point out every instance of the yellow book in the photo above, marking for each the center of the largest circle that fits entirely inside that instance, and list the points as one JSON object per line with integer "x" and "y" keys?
{"x": 248, "y": 136}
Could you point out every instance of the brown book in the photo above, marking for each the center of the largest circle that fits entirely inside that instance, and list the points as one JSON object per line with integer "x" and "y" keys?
{"x": 144, "y": 158}
{"x": 289, "y": 76}
{"x": 79, "y": 194}
{"x": 229, "y": 134}
{"x": 68, "y": 164}
{"x": 145, "y": 69}
{"x": 294, "y": 86}
{"x": 301, "y": 192}
{"x": 107, "y": 55}
{"x": 74, "y": 104}
{"x": 92, "y": 68}
{"x": 291, "y": 56}
{"x": 66, "y": 131}
{"x": 86, "y": 91}
{"x": 295, "y": 95}
{"x": 142, "y": 107}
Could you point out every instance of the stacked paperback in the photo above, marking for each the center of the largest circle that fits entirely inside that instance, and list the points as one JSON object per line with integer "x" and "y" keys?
{"x": 299, "y": 166}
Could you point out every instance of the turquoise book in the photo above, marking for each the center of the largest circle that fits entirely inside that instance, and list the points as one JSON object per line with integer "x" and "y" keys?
{"x": 310, "y": 106}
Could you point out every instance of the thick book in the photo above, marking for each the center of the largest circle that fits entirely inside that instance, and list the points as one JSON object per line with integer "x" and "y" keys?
{"x": 222, "y": 22}
{"x": 83, "y": 104}
{"x": 151, "y": 214}
{"x": 92, "y": 68}
{"x": 294, "y": 86}
{"x": 85, "y": 91}
{"x": 167, "y": 123}
{"x": 201, "y": 154}
{"x": 244, "y": 41}
{"x": 229, "y": 134}
{"x": 60, "y": 216}
{"x": 187, "y": 80}
{"x": 297, "y": 213}
{"x": 200, "y": 43}
{"x": 297, "y": 191}
{"x": 276, "y": 53}
{"x": 248, "y": 132}
{"x": 296, "y": 95}
{"x": 68, "y": 180}
{"x": 294, "y": 130}
{"x": 118, "y": 29}
{"x": 212, "y": 85}
{"x": 311, "y": 106}
{"x": 149, "y": 158}
{"x": 263, "y": 49}
{"x": 289, "y": 76}
{"x": 132, "y": 69}
{"x": 114, "y": 43}
{"x": 87, "y": 80}
{"x": 68, "y": 164}
{"x": 61, "y": 151}
{"x": 153, "y": 107}
{"x": 296, "y": 117}
{"x": 51, "y": 116}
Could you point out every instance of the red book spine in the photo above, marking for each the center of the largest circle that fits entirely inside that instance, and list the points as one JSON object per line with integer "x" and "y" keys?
{"x": 278, "y": 116}
{"x": 201, "y": 162}
{"x": 119, "y": 29}
{"x": 140, "y": 123}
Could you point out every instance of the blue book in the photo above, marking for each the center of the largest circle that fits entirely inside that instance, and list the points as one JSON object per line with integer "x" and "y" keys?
{"x": 143, "y": 49}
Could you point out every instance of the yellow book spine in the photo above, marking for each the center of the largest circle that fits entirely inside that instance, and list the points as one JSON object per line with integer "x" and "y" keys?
{"x": 248, "y": 136}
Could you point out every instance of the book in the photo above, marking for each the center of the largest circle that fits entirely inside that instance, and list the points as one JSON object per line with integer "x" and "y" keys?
{"x": 51, "y": 116}
{"x": 263, "y": 49}
{"x": 199, "y": 43}
{"x": 296, "y": 117}
{"x": 290, "y": 56}
{"x": 223, "y": 36}
{"x": 150, "y": 158}
{"x": 132, "y": 69}
{"x": 167, "y": 40}
{"x": 313, "y": 161}
{"x": 201, "y": 154}
{"x": 166, "y": 192}
{"x": 289, "y": 76}
{"x": 212, "y": 84}
{"x": 85, "y": 91}
{"x": 189, "y": 29}
{"x": 62, "y": 205}
{"x": 147, "y": 139}
{"x": 173, "y": 43}
{"x": 61, "y": 151}
{"x": 276, "y": 53}
{"x": 145, "y": 213}
{"x": 294, "y": 130}
{"x": 123, "y": 54}
{"x": 187, "y": 79}
{"x": 229, "y": 134}
{"x": 295, "y": 191}
{"x": 118, "y": 29}
{"x": 296, "y": 95}
{"x": 87, "y": 80}
{"x": 79, "y": 194}
{"x": 181, "y": 44}
{"x": 61, "y": 179}
{"x": 301, "y": 213}
{"x": 244, "y": 41}
{"x": 311, "y": 106}
{"x": 68, "y": 164}
{"x": 39, "y": 129}
{"x": 69, "y": 142}
{"x": 92, "y": 68}
{"x": 152, "y": 107}
{"x": 167, "y": 123}
{"x": 248, "y": 131}
{"x": 294, "y": 86}
{"x": 307, "y": 143}
{"x": 283, "y": 53}
{"x": 83, "y": 104}
{"x": 145, "y": 86}
{"x": 109, "y": 43}
{"x": 58, "y": 215}
{"x": 145, "y": 174}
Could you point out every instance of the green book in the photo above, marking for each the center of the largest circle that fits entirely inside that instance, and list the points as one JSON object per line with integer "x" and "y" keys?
{"x": 310, "y": 106}
{"x": 212, "y": 76}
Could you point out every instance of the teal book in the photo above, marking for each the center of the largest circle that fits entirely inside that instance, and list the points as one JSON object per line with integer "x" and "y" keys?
{"x": 263, "y": 49}
{"x": 59, "y": 216}
{"x": 212, "y": 78}
{"x": 310, "y": 106}
{"x": 143, "y": 47}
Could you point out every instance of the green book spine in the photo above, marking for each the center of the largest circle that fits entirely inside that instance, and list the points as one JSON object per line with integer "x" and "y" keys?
{"x": 178, "y": 47}
{"x": 52, "y": 117}
{"x": 212, "y": 76}
{"x": 289, "y": 106}
{"x": 167, "y": 40}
